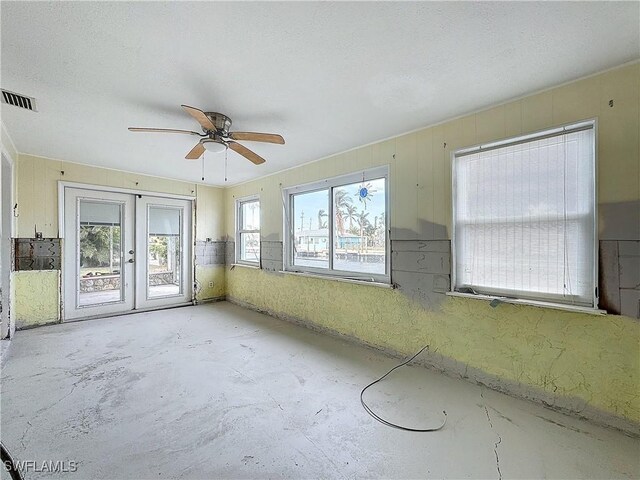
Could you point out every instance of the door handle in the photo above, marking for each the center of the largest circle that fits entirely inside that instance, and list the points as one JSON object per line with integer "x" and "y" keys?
{"x": 130, "y": 260}
{"x": 130, "y": 252}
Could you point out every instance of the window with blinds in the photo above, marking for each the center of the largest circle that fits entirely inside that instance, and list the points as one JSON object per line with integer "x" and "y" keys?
{"x": 524, "y": 217}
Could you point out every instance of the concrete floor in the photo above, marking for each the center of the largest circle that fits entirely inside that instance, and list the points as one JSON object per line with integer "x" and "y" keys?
{"x": 217, "y": 391}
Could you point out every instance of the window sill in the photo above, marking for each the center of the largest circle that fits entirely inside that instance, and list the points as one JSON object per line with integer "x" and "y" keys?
{"x": 338, "y": 279}
{"x": 245, "y": 265}
{"x": 534, "y": 303}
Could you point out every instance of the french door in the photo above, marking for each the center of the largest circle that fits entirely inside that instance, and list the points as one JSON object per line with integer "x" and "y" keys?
{"x": 124, "y": 252}
{"x": 163, "y": 239}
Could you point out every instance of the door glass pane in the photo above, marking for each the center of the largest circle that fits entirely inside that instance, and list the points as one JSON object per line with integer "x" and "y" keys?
{"x": 100, "y": 252}
{"x": 164, "y": 248}
{"x": 311, "y": 230}
{"x": 359, "y": 234}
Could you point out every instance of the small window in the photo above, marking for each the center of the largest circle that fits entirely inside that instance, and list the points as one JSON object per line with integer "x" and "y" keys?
{"x": 524, "y": 217}
{"x": 248, "y": 231}
{"x": 340, "y": 227}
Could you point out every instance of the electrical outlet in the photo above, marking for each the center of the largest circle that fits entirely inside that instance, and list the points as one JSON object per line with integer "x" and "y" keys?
{"x": 210, "y": 284}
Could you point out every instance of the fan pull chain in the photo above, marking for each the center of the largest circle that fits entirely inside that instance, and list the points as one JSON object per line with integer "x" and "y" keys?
{"x": 226, "y": 152}
{"x": 203, "y": 168}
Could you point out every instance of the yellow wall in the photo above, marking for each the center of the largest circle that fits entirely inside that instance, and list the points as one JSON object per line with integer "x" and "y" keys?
{"x": 591, "y": 358}
{"x": 210, "y": 224}
{"x": 595, "y": 359}
{"x": 34, "y": 297}
{"x": 209, "y": 213}
{"x": 37, "y": 193}
{"x": 37, "y": 198}
{"x": 205, "y": 274}
{"x": 420, "y": 173}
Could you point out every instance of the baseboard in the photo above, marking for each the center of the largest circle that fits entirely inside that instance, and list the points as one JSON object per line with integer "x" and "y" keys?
{"x": 29, "y": 326}
{"x": 210, "y": 300}
{"x": 452, "y": 368}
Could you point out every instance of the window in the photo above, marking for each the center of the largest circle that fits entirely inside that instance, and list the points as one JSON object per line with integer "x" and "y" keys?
{"x": 248, "y": 231}
{"x": 339, "y": 227}
{"x": 524, "y": 217}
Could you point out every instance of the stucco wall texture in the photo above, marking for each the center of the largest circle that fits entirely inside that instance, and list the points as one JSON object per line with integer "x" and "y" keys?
{"x": 35, "y": 298}
{"x": 595, "y": 359}
{"x": 205, "y": 274}
{"x": 592, "y": 358}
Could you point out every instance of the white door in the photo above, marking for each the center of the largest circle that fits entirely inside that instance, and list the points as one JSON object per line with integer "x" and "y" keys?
{"x": 163, "y": 233}
{"x": 99, "y": 264}
{"x": 124, "y": 252}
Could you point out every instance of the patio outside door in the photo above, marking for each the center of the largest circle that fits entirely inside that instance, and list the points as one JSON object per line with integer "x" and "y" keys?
{"x": 124, "y": 252}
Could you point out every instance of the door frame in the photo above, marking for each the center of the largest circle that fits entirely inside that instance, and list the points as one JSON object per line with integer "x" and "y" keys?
{"x": 142, "y": 299}
{"x": 89, "y": 186}
{"x": 71, "y": 256}
{"x": 62, "y": 185}
{"x": 7, "y": 177}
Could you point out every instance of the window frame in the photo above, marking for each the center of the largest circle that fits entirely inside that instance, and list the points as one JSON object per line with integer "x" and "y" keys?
{"x": 563, "y": 129}
{"x": 239, "y": 230}
{"x": 329, "y": 184}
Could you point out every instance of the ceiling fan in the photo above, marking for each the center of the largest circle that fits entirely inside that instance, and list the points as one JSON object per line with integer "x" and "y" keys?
{"x": 217, "y": 137}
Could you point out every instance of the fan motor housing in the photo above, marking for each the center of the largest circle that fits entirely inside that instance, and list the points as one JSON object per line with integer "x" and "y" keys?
{"x": 222, "y": 122}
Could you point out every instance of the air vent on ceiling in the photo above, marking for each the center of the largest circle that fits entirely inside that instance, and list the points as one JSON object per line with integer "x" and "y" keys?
{"x": 17, "y": 100}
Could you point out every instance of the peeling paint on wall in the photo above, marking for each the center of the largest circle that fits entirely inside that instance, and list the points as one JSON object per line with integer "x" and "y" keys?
{"x": 620, "y": 277}
{"x": 271, "y": 256}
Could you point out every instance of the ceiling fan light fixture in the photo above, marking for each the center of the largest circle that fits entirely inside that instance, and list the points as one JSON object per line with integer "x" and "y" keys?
{"x": 217, "y": 137}
{"x": 214, "y": 146}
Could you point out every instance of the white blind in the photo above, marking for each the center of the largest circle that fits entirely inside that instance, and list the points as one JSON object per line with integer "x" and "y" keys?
{"x": 524, "y": 219}
{"x": 164, "y": 221}
{"x": 99, "y": 213}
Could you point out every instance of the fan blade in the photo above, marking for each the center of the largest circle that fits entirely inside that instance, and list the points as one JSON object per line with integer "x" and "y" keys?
{"x": 200, "y": 117}
{"x": 162, "y": 130}
{"x": 196, "y": 152}
{"x": 245, "y": 152}
{"x": 257, "y": 137}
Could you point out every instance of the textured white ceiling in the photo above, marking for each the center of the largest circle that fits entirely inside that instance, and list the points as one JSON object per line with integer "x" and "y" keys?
{"x": 327, "y": 76}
